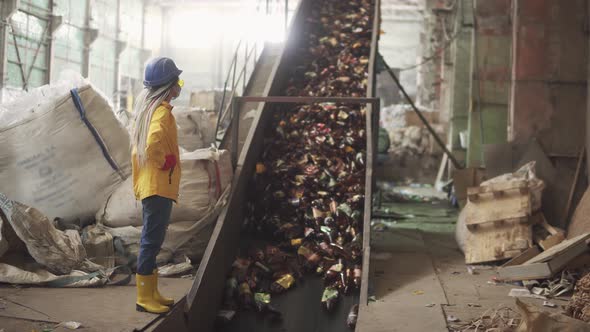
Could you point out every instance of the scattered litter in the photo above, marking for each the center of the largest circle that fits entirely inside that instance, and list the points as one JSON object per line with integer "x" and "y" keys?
{"x": 187, "y": 276}
{"x": 378, "y": 227}
{"x": 549, "y": 304}
{"x": 539, "y": 291}
{"x": 473, "y": 305}
{"x": 372, "y": 298}
{"x": 382, "y": 225}
{"x": 531, "y": 284}
{"x": 561, "y": 285}
{"x": 501, "y": 319}
{"x": 175, "y": 269}
{"x": 474, "y": 269}
{"x": 452, "y": 319}
{"x": 418, "y": 292}
{"x": 225, "y": 316}
{"x": 494, "y": 282}
{"x": 456, "y": 273}
{"x": 70, "y": 325}
{"x": 427, "y": 306}
{"x": 523, "y": 292}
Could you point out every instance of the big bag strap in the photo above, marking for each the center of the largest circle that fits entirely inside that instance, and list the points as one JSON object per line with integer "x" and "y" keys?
{"x": 82, "y": 111}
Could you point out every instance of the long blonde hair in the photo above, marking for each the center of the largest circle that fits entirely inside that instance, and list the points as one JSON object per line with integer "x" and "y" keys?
{"x": 145, "y": 106}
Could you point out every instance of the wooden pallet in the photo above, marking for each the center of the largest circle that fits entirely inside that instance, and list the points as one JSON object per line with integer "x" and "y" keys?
{"x": 499, "y": 204}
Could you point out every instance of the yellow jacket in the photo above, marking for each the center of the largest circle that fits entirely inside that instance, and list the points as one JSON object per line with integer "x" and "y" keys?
{"x": 162, "y": 140}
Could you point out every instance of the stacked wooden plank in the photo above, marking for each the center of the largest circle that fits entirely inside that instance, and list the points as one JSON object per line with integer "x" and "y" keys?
{"x": 499, "y": 220}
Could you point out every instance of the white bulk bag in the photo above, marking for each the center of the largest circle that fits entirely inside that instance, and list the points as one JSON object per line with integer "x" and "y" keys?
{"x": 62, "y": 161}
{"x": 205, "y": 175}
{"x": 196, "y": 128}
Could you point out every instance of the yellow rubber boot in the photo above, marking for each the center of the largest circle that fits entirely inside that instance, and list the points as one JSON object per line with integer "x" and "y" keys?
{"x": 157, "y": 296}
{"x": 145, "y": 296}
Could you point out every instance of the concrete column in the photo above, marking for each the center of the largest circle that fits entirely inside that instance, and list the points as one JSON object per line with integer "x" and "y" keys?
{"x": 461, "y": 86}
{"x": 54, "y": 24}
{"x": 488, "y": 116}
{"x": 7, "y": 9}
{"x": 119, "y": 48}
{"x": 90, "y": 35}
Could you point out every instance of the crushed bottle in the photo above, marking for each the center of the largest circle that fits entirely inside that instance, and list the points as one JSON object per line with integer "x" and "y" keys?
{"x": 306, "y": 208}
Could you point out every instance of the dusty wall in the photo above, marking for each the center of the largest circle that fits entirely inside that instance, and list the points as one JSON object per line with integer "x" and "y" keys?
{"x": 549, "y": 80}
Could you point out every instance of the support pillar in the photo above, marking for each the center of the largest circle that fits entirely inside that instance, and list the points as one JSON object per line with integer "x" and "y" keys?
{"x": 54, "y": 24}
{"x": 461, "y": 77}
{"x": 90, "y": 35}
{"x": 7, "y": 9}
{"x": 492, "y": 44}
{"x": 120, "y": 46}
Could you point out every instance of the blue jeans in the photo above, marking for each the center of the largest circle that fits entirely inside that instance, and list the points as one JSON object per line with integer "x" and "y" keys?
{"x": 156, "y": 216}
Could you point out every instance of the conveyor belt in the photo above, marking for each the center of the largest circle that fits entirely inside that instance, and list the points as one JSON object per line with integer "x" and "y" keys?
{"x": 300, "y": 306}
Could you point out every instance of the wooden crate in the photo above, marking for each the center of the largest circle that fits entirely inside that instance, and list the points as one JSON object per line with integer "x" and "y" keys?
{"x": 498, "y": 219}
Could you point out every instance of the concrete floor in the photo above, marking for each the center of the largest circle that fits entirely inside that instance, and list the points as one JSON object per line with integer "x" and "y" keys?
{"x": 98, "y": 309}
{"x": 419, "y": 278}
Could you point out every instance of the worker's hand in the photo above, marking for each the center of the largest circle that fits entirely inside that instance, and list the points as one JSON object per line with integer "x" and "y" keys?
{"x": 170, "y": 162}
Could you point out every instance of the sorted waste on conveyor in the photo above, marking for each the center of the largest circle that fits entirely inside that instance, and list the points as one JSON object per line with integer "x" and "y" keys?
{"x": 306, "y": 211}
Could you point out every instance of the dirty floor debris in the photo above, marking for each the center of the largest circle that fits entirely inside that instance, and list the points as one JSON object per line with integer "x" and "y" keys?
{"x": 419, "y": 278}
{"x": 28, "y": 309}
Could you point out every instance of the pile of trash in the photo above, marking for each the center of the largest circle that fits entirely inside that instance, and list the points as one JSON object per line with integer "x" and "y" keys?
{"x": 67, "y": 206}
{"x": 407, "y": 134}
{"x": 502, "y": 222}
{"x": 306, "y": 212}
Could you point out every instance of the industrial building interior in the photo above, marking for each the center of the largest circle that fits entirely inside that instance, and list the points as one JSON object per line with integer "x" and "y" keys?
{"x": 365, "y": 165}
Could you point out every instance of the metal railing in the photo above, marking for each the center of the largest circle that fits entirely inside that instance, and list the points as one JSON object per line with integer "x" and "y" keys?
{"x": 237, "y": 79}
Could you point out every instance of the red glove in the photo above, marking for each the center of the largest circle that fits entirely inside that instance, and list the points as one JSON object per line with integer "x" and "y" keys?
{"x": 170, "y": 162}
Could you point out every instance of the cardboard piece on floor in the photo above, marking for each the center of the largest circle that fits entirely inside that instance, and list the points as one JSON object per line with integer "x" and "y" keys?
{"x": 564, "y": 248}
{"x": 498, "y": 159}
{"x": 524, "y": 256}
{"x": 556, "y": 235}
{"x": 551, "y": 241}
{"x": 547, "y": 263}
{"x": 581, "y": 219}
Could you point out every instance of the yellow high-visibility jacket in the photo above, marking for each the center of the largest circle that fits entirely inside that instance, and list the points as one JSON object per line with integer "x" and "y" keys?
{"x": 162, "y": 140}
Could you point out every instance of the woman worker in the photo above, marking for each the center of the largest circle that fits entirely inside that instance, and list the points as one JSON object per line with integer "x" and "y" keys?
{"x": 156, "y": 173}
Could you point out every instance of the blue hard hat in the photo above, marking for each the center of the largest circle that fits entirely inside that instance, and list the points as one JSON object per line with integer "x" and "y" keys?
{"x": 160, "y": 71}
